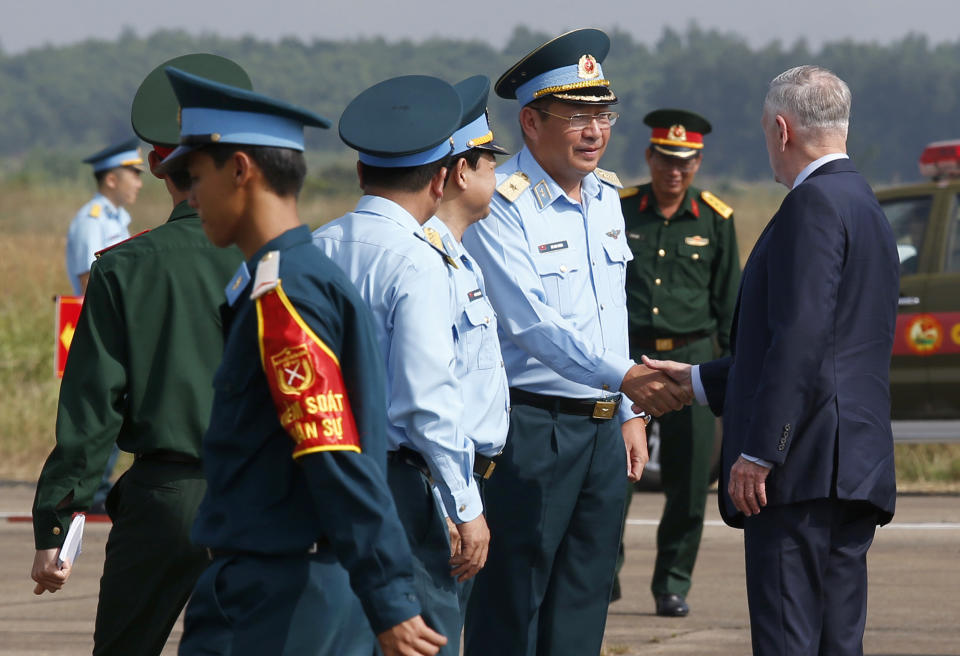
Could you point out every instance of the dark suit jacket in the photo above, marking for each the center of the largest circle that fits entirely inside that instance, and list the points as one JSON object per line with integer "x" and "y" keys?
{"x": 807, "y": 384}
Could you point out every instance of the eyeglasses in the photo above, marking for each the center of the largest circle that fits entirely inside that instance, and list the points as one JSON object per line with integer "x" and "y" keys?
{"x": 682, "y": 165}
{"x": 580, "y": 121}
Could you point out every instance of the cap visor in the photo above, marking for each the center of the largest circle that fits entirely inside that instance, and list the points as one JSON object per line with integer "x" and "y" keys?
{"x": 678, "y": 152}
{"x": 493, "y": 147}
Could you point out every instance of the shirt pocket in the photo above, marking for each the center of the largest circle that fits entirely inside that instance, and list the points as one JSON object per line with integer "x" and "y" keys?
{"x": 693, "y": 264}
{"x": 617, "y": 256}
{"x": 482, "y": 351}
{"x": 557, "y": 271}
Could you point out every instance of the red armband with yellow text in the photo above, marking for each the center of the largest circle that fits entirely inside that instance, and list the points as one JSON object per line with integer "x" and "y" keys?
{"x": 305, "y": 379}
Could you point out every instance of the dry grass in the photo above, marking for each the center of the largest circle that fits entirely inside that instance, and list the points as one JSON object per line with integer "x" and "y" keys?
{"x": 33, "y": 224}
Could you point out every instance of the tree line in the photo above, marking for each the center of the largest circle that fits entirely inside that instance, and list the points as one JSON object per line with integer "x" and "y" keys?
{"x": 60, "y": 103}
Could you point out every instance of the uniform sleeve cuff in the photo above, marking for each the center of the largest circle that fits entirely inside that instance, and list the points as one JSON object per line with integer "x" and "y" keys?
{"x": 390, "y": 604}
{"x": 612, "y": 370}
{"x": 462, "y": 505}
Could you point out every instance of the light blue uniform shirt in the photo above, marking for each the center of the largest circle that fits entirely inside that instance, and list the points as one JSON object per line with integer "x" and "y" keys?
{"x": 97, "y": 225}
{"x": 555, "y": 270}
{"x": 479, "y": 369}
{"x": 404, "y": 281}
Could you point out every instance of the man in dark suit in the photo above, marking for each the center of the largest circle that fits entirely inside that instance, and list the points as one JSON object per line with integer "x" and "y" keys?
{"x": 807, "y": 448}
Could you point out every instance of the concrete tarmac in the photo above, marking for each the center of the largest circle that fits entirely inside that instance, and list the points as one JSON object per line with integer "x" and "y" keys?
{"x": 914, "y": 602}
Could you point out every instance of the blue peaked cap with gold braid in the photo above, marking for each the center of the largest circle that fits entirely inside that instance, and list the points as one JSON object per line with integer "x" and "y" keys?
{"x": 474, "y": 130}
{"x": 125, "y": 153}
{"x": 212, "y": 112}
{"x": 566, "y": 68}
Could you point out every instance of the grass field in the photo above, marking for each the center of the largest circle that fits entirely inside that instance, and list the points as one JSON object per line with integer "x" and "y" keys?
{"x": 33, "y": 224}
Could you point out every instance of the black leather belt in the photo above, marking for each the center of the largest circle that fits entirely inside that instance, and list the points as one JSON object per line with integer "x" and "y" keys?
{"x": 646, "y": 343}
{"x": 165, "y": 455}
{"x": 482, "y": 465}
{"x": 602, "y": 409}
{"x": 227, "y": 553}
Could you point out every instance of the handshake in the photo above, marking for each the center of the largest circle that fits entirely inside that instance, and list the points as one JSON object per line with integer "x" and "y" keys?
{"x": 658, "y": 386}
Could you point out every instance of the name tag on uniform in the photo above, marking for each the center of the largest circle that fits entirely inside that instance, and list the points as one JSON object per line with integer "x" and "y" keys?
{"x": 475, "y": 294}
{"x": 555, "y": 246}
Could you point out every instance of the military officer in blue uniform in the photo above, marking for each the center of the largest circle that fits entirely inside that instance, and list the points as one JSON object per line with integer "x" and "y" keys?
{"x": 681, "y": 291}
{"x": 104, "y": 220}
{"x": 402, "y": 130}
{"x": 554, "y": 257}
{"x": 479, "y": 368}
{"x": 307, "y": 551}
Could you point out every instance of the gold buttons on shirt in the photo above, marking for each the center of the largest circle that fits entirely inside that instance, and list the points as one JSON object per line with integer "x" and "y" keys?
{"x": 563, "y": 268}
{"x": 657, "y": 281}
{"x": 462, "y": 508}
{"x": 656, "y": 310}
{"x": 661, "y": 252}
{"x": 56, "y": 530}
{"x": 695, "y": 256}
{"x": 666, "y": 222}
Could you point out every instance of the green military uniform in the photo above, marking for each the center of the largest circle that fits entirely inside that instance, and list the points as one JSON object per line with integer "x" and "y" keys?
{"x": 681, "y": 291}
{"x": 139, "y": 375}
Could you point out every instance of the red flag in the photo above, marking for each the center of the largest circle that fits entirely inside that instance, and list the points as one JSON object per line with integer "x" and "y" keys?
{"x": 68, "y": 312}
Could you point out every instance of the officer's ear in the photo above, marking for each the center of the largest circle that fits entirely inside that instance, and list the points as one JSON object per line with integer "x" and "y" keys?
{"x": 530, "y": 120}
{"x": 154, "y": 160}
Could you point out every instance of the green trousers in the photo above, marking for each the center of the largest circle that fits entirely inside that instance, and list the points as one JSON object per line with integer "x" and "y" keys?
{"x": 151, "y": 565}
{"x": 554, "y": 506}
{"x": 686, "y": 450}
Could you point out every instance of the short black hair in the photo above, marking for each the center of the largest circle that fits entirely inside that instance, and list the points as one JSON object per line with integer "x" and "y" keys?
{"x": 473, "y": 160}
{"x": 180, "y": 178}
{"x": 284, "y": 169}
{"x": 403, "y": 178}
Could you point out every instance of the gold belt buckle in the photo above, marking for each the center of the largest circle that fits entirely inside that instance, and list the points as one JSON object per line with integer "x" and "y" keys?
{"x": 663, "y": 344}
{"x": 488, "y": 472}
{"x": 604, "y": 409}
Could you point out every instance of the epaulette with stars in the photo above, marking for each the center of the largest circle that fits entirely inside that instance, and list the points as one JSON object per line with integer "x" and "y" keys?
{"x": 609, "y": 177}
{"x": 432, "y": 237}
{"x": 512, "y": 187}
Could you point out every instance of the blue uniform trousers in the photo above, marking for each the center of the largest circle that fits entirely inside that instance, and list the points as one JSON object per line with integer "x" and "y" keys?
{"x": 429, "y": 541}
{"x": 299, "y": 605}
{"x": 806, "y": 569}
{"x": 554, "y": 506}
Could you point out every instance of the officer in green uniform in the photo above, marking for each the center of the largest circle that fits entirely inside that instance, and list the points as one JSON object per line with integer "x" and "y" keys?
{"x": 145, "y": 349}
{"x": 681, "y": 292}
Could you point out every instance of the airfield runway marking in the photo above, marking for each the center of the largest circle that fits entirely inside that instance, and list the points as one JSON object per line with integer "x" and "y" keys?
{"x": 903, "y": 526}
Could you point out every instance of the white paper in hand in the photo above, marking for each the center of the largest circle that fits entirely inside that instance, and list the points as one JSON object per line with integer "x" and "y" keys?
{"x": 73, "y": 542}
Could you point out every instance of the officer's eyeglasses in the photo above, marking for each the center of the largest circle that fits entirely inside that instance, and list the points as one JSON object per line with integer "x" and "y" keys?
{"x": 581, "y": 121}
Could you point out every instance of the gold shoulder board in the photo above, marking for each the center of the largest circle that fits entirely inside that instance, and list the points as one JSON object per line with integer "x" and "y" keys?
{"x": 629, "y": 192}
{"x": 512, "y": 187}
{"x": 95, "y": 210}
{"x": 718, "y": 205}
{"x": 609, "y": 177}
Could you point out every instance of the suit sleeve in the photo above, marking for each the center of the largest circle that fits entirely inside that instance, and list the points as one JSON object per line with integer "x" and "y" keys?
{"x": 713, "y": 377}
{"x": 807, "y": 250}
{"x": 90, "y": 412}
{"x": 725, "y": 281}
{"x": 346, "y": 469}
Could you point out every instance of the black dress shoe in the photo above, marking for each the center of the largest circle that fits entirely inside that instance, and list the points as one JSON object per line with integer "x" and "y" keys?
{"x": 672, "y": 605}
